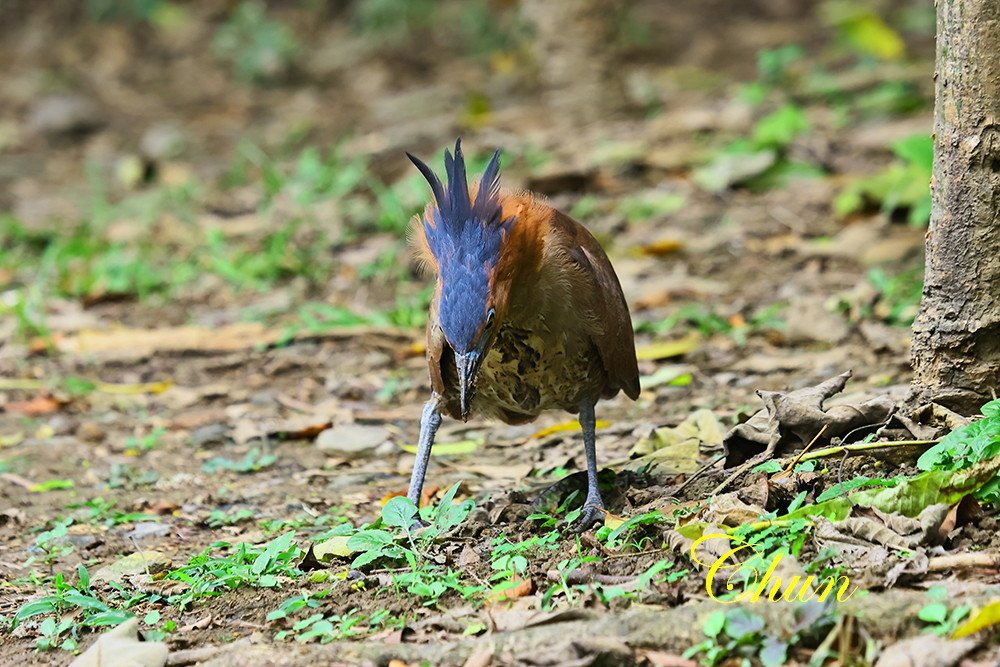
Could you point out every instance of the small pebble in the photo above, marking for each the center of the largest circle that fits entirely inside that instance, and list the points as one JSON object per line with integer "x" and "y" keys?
{"x": 89, "y": 431}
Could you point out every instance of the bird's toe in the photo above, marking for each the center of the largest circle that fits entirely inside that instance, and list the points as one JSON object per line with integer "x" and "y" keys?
{"x": 593, "y": 515}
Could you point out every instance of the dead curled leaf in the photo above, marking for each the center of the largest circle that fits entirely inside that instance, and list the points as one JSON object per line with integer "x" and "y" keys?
{"x": 523, "y": 588}
{"x": 679, "y": 446}
{"x": 791, "y": 419}
{"x": 35, "y": 407}
{"x": 668, "y": 349}
{"x": 121, "y": 646}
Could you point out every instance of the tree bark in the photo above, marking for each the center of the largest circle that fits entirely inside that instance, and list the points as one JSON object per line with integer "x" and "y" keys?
{"x": 956, "y": 337}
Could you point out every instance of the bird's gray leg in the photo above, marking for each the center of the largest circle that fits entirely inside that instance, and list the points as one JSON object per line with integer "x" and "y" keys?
{"x": 593, "y": 507}
{"x": 430, "y": 419}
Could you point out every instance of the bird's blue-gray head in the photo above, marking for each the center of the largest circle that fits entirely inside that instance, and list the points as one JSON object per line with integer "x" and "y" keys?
{"x": 465, "y": 236}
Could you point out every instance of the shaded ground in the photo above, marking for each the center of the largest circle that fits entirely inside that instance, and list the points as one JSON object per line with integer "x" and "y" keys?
{"x": 240, "y": 356}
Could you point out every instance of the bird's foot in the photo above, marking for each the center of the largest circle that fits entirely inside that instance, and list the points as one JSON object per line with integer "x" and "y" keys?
{"x": 593, "y": 515}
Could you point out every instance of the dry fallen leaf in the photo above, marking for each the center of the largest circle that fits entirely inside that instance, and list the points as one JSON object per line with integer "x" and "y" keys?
{"x": 11, "y": 440}
{"x": 662, "y": 659}
{"x": 668, "y": 349}
{"x": 791, "y": 419}
{"x": 679, "y": 446}
{"x": 40, "y": 405}
{"x": 986, "y": 617}
{"x": 564, "y": 427}
{"x": 524, "y": 588}
{"x": 120, "y": 647}
{"x": 335, "y": 546}
{"x": 448, "y": 448}
{"x": 612, "y": 521}
{"x": 662, "y": 247}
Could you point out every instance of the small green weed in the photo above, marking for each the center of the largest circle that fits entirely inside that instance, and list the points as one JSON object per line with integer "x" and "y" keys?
{"x": 124, "y": 476}
{"x": 260, "y": 49}
{"x": 52, "y": 544}
{"x": 60, "y": 629}
{"x": 899, "y": 295}
{"x": 245, "y": 565}
{"x": 618, "y": 537}
{"x": 220, "y": 518}
{"x": 738, "y": 634}
{"x": 903, "y": 186}
{"x": 760, "y": 161}
{"x": 509, "y": 560}
{"x": 657, "y": 573}
{"x": 775, "y": 70}
{"x": 859, "y": 482}
{"x": 709, "y": 322}
{"x": 393, "y": 19}
{"x": 939, "y": 618}
{"x": 967, "y": 446}
{"x": 253, "y": 461}
{"x": 146, "y": 442}
{"x": 650, "y": 205}
{"x": 333, "y": 627}
{"x": 320, "y": 318}
{"x": 98, "y": 511}
{"x": 394, "y": 539}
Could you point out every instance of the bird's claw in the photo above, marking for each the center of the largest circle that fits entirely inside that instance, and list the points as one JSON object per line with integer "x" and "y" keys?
{"x": 593, "y": 514}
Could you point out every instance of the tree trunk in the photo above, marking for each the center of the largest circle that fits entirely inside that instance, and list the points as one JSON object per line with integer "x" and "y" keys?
{"x": 956, "y": 337}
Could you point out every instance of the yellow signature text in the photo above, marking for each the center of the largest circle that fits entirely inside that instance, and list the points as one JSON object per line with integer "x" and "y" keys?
{"x": 734, "y": 566}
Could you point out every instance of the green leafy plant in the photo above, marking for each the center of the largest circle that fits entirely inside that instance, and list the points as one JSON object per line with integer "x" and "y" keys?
{"x": 904, "y": 185}
{"x": 709, "y": 322}
{"x": 774, "y": 70}
{"x": 245, "y": 565}
{"x": 899, "y": 295}
{"x": 509, "y": 560}
{"x": 101, "y": 512}
{"x": 739, "y": 633}
{"x": 253, "y": 461}
{"x": 146, "y": 442}
{"x": 53, "y": 543}
{"x": 147, "y": 11}
{"x": 259, "y": 48}
{"x": 939, "y": 618}
{"x": 393, "y": 19}
{"x": 619, "y": 536}
{"x": 326, "y": 628}
{"x": 124, "y": 476}
{"x": 60, "y": 629}
{"x": 650, "y": 205}
{"x": 220, "y": 518}
{"x": 968, "y": 445}
{"x": 761, "y": 160}
{"x": 852, "y": 484}
{"x": 396, "y": 538}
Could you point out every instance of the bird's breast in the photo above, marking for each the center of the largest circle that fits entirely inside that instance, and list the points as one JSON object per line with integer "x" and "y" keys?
{"x": 526, "y": 371}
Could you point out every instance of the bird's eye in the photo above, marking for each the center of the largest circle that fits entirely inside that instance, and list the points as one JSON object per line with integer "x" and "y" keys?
{"x": 489, "y": 317}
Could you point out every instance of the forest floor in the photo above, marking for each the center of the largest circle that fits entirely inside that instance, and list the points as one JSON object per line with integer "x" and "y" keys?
{"x": 211, "y": 355}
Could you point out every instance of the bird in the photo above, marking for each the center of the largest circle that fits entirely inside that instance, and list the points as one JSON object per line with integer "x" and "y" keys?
{"x": 527, "y": 314}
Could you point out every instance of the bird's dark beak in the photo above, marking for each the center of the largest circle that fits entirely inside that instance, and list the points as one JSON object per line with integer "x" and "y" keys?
{"x": 468, "y": 367}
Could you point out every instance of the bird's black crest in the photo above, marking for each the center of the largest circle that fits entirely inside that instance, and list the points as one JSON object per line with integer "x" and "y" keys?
{"x": 464, "y": 236}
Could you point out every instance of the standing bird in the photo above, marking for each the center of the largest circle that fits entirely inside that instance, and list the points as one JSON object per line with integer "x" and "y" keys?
{"x": 528, "y": 314}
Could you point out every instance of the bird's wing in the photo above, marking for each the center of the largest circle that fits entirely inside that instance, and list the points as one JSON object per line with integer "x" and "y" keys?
{"x": 614, "y": 341}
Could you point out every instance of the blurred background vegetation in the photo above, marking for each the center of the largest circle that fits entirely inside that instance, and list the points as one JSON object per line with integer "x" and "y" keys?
{"x": 222, "y": 161}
